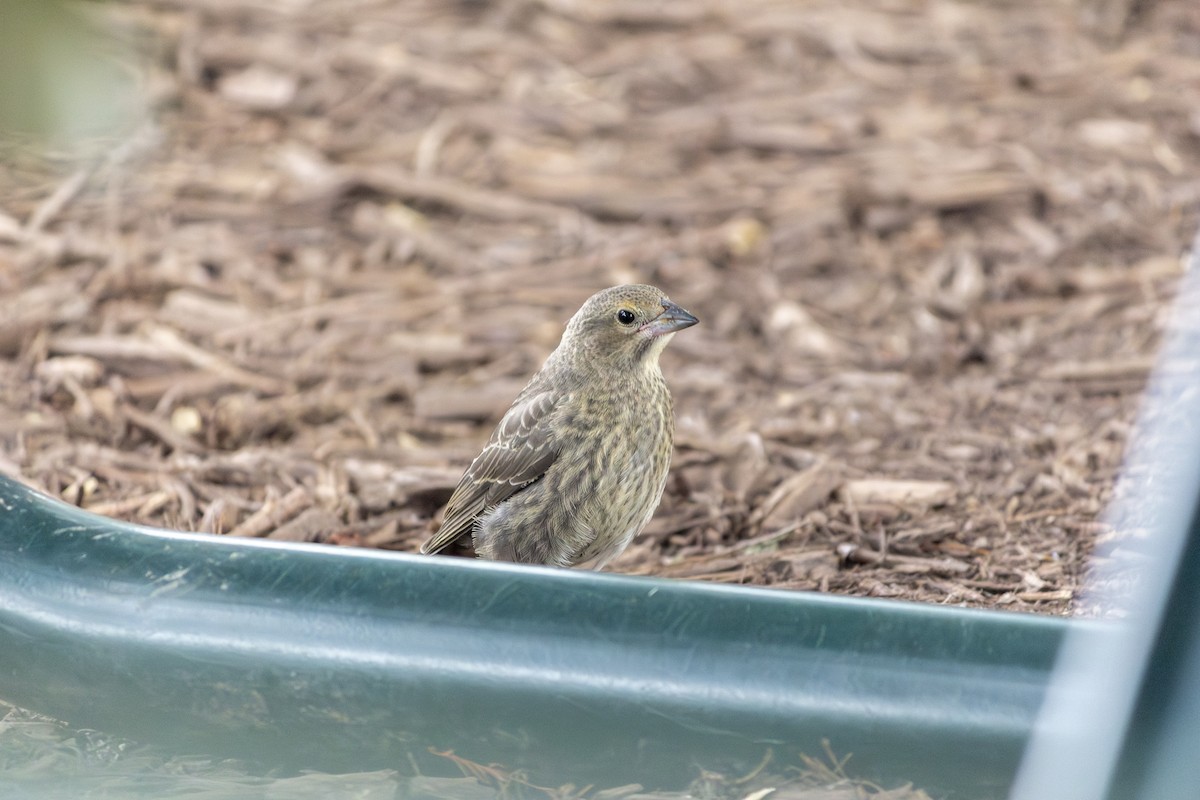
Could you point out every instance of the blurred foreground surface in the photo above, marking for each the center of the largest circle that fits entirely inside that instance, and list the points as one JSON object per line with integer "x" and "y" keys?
{"x": 42, "y": 759}
{"x": 929, "y": 243}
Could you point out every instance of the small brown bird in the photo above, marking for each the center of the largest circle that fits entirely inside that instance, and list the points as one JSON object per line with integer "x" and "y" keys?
{"x": 578, "y": 464}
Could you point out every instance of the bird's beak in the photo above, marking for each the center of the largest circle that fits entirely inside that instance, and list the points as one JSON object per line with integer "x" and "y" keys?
{"x": 673, "y": 318}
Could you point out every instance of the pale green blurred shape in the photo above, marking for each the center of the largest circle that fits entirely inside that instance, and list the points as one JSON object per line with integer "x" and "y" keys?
{"x": 65, "y": 78}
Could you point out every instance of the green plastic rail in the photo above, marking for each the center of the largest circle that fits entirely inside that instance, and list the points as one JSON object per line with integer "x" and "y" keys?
{"x": 348, "y": 660}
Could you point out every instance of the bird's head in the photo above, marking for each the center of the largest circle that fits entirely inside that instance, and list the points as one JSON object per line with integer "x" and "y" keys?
{"x": 626, "y": 324}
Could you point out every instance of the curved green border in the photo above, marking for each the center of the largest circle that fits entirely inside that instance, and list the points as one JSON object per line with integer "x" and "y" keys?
{"x": 336, "y": 659}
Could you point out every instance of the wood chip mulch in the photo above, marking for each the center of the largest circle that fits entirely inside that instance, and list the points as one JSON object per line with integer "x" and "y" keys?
{"x": 932, "y": 244}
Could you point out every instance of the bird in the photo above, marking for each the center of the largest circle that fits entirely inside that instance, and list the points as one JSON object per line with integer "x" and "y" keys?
{"x": 577, "y": 465}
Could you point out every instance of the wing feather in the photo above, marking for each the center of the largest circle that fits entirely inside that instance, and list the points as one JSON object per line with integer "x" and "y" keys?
{"x": 520, "y": 451}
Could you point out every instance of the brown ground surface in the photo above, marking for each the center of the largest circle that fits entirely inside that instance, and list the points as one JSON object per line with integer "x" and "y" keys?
{"x": 930, "y": 241}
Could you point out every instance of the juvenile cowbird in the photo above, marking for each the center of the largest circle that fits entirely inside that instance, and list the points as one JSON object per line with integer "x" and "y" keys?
{"x": 578, "y": 464}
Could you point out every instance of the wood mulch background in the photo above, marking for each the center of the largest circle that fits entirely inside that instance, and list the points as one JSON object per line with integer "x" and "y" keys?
{"x": 932, "y": 244}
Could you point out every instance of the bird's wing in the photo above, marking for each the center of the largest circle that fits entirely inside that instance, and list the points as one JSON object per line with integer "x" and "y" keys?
{"x": 520, "y": 451}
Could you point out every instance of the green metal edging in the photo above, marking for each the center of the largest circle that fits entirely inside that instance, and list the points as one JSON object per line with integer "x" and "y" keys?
{"x": 346, "y": 660}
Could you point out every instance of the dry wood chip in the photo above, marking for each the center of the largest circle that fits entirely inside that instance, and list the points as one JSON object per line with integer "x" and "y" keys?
{"x": 960, "y": 191}
{"x": 865, "y": 492}
{"x": 114, "y": 348}
{"x": 162, "y": 429}
{"x": 1136, "y": 368}
{"x": 260, "y": 88}
{"x": 464, "y": 197}
{"x": 907, "y": 564}
{"x": 83, "y": 370}
{"x": 144, "y": 504}
{"x": 170, "y": 341}
{"x": 797, "y": 495}
{"x": 618, "y": 792}
{"x": 273, "y": 513}
{"x": 310, "y": 525}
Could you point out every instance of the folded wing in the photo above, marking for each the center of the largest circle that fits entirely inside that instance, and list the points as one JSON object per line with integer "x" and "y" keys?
{"x": 520, "y": 451}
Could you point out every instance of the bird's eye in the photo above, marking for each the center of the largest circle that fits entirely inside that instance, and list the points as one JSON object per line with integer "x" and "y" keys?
{"x": 625, "y": 316}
